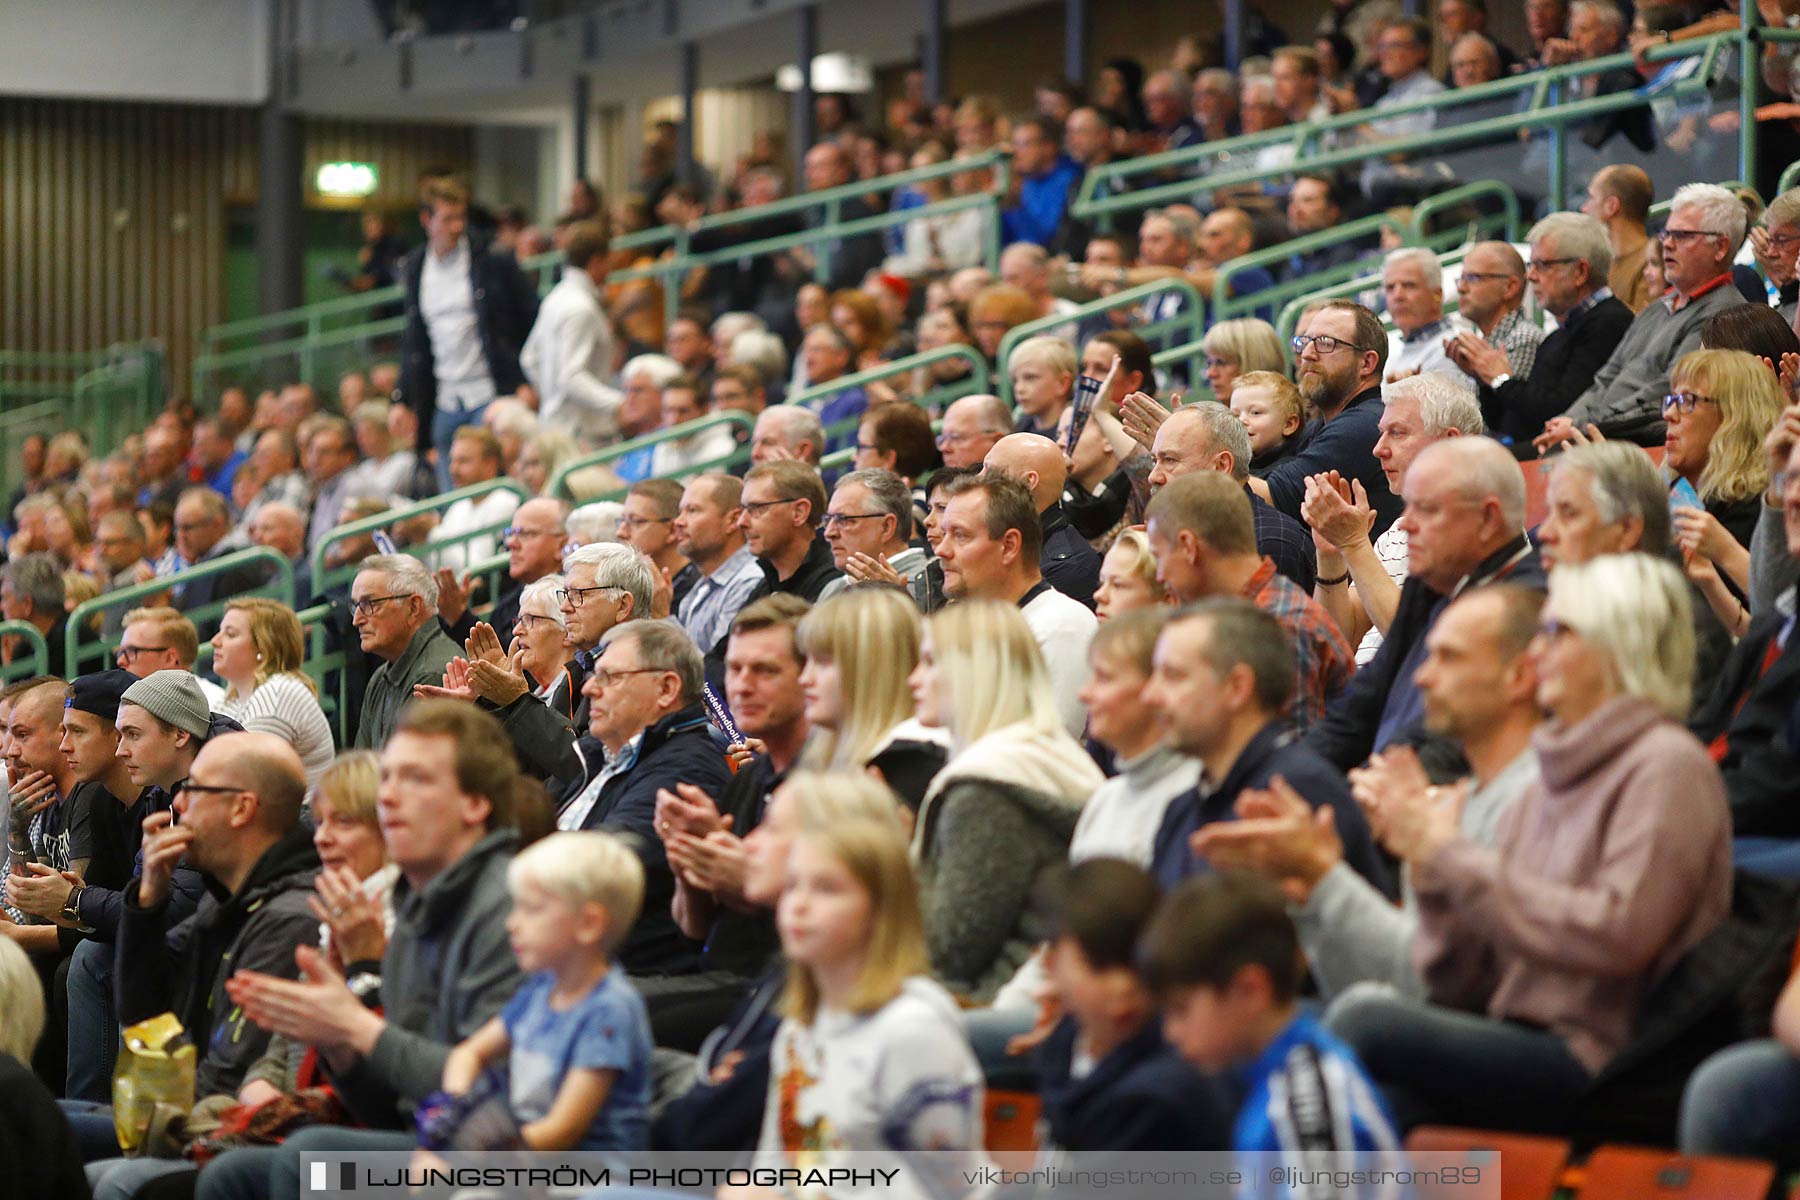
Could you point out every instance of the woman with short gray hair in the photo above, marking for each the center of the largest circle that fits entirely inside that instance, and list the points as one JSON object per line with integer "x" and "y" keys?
{"x": 549, "y": 662}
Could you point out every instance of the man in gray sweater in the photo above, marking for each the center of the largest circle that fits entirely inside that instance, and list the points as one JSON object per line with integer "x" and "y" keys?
{"x": 1705, "y": 228}
{"x": 1480, "y": 689}
{"x": 446, "y": 816}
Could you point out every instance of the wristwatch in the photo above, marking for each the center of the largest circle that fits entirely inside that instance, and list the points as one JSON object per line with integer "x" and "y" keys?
{"x": 1497, "y": 381}
{"x": 71, "y": 909}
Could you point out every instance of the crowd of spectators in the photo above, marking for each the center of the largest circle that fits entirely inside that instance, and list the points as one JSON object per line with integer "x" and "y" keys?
{"x": 1401, "y": 718}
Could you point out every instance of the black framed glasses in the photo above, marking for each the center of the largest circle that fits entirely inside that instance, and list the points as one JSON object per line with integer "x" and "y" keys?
{"x": 1544, "y": 264}
{"x": 1684, "y": 402}
{"x": 832, "y": 519}
{"x": 366, "y": 606}
{"x": 576, "y": 597}
{"x": 1484, "y": 276}
{"x": 1681, "y": 235}
{"x": 604, "y": 678}
{"x": 526, "y": 622}
{"x": 1322, "y": 344}
{"x": 188, "y": 785}
{"x": 130, "y": 653}
{"x": 762, "y": 504}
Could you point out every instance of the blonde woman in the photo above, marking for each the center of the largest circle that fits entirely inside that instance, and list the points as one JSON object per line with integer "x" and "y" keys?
{"x": 1721, "y": 405}
{"x": 1238, "y": 347}
{"x": 258, "y": 652}
{"x": 1128, "y": 579}
{"x": 1002, "y": 810}
{"x": 39, "y": 1156}
{"x": 860, "y": 647}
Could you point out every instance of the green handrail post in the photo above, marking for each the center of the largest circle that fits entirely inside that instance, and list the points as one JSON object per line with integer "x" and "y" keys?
{"x": 36, "y": 659}
{"x": 1432, "y": 205}
{"x": 325, "y": 578}
{"x": 559, "y": 482}
{"x": 1192, "y": 321}
{"x": 978, "y": 372}
{"x": 279, "y": 585}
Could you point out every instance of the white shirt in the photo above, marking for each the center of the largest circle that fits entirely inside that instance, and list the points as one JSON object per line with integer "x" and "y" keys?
{"x": 447, "y": 303}
{"x": 568, "y": 357}
{"x": 1063, "y": 628}
{"x": 1423, "y": 351}
{"x": 679, "y": 456}
{"x": 1390, "y": 548}
{"x": 464, "y": 516}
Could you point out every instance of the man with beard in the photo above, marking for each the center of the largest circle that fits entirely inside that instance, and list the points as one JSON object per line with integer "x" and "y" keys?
{"x": 1339, "y": 354}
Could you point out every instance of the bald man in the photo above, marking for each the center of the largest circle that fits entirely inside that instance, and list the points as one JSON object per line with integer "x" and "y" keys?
{"x": 240, "y": 828}
{"x": 1225, "y": 235}
{"x": 972, "y": 426}
{"x": 1465, "y": 525}
{"x": 1491, "y": 293}
{"x": 1068, "y": 563}
{"x": 281, "y": 527}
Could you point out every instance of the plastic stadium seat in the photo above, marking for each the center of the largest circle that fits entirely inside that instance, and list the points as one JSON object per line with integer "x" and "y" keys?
{"x": 1012, "y": 1119}
{"x": 1529, "y": 1166}
{"x": 1638, "y": 1173}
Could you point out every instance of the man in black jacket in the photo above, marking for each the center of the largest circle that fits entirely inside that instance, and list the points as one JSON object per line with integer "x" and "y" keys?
{"x": 240, "y": 828}
{"x": 1464, "y": 521}
{"x": 469, "y": 309}
{"x": 1570, "y": 259}
{"x": 1745, "y": 725}
{"x": 645, "y": 711}
{"x": 779, "y": 514}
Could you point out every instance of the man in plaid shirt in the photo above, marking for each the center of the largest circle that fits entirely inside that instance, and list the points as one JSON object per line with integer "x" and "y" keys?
{"x": 1200, "y": 530}
{"x": 1491, "y": 293}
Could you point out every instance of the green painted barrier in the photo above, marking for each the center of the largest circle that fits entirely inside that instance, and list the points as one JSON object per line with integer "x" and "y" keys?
{"x": 327, "y": 577}
{"x": 559, "y": 482}
{"x": 85, "y": 650}
{"x": 1191, "y": 322}
{"x": 36, "y": 657}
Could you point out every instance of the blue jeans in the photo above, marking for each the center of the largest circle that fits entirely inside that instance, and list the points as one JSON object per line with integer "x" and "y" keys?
{"x": 1744, "y": 1100}
{"x": 1778, "y": 858}
{"x": 444, "y": 424}
{"x": 1443, "y": 1067}
{"x": 120, "y": 1178}
{"x": 93, "y": 1028}
{"x": 96, "y": 1137}
{"x": 273, "y": 1172}
{"x": 989, "y": 1030}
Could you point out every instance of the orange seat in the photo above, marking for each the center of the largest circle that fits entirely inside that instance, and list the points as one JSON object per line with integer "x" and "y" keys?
{"x": 1529, "y": 1166}
{"x": 1012, "y": 1119}
{"x": 1537, "y": 487}
{"x": 1641, "y": 1173}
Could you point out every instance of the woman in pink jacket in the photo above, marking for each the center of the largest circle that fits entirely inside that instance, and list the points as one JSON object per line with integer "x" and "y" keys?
{"x": 1615, "y": 863}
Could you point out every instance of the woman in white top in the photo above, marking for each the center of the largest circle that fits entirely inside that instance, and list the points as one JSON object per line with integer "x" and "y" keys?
{"x": 860, "y": 646}
{"x": 548, "y": 660}
{"x": 257, "y": 652}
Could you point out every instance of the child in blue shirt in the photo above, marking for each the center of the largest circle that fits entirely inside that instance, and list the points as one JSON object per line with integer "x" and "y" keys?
{"x": 575, "y": 1037}
{"x": 1224, "y": 958}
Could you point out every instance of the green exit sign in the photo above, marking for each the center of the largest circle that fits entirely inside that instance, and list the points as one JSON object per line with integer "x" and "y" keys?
{"x": 347, "y": 179}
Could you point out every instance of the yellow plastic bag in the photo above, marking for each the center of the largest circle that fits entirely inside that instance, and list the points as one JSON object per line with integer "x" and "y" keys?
{"x": 153, "y": 1080}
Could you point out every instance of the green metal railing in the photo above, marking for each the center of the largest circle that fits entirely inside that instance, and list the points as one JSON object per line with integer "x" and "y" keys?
{"x": 303, "y": 338}
{"x": 106, "y": 394}
{"x": 85, "y": 649}
{"x": 1289, "y": 317}
{"x": 1545, "y": 110}
{"x": 327, "y": 577}
{"x": 559, "y": 482}
{"x": 1190, "y": 323}
{"x": 36, "y": 657}
{"x": 934, "y": 398}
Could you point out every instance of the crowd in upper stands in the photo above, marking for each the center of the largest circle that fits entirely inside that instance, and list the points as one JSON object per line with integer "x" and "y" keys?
{"x": 1284, "y": 746}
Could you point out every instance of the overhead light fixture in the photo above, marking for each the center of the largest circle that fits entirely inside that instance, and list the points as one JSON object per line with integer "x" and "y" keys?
{"x": 347, "y": 179}
{"x": 832, "y": 72}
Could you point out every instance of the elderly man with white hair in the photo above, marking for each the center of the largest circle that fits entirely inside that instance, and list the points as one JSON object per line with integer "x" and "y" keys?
{"x": 1359, "y": 581}
{"x": 640, "y": 412}
{"x": 1412, "y": 287}
{"x": 787, "y": 431}
{"x": 1701, "y": 238}
{"x": 1570, "y": 258}
{"x": 394, "y": 607}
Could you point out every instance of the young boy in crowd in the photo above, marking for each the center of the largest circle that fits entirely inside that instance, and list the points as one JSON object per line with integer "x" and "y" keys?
{"x": 1109, "y": 1080}
{"x": 1272, "y": 410}
{"x": 1043, "y": 373}
{"x": 575, "y": 1036}
{"x": 1223, "y": 957}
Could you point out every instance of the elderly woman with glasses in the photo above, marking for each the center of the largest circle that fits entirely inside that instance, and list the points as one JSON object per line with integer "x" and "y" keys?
{"x": 540, "y": 640}
{"x": 1538, "y": 952}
